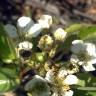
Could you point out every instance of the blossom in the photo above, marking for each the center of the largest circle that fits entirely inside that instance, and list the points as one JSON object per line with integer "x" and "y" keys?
{"x": 45, "y": 21}
{"x": 38, "y": 86}
{"x": 83, "y": 54}
{"x": 29, "y": 29}
{"x": 11, "y": 30}
{"x": 60, "y": 34}
{"x": 24, "y": 49}
{"x": 24, "y": 23}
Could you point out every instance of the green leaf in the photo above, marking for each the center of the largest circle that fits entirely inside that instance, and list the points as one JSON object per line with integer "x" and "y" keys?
{"x": 73, "y": 28}
{"x": 86, "y": 80}
{"x": 84, "y": 93}
{"x": 86, "y": 85}
{"x": 7, "y": 52}
{"x": 87, "y": 32}
{"x": 7, "y": 79}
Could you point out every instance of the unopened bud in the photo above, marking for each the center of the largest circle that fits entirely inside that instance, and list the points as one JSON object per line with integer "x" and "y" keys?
{"x": 45, "y": 21}
{"x": 46, "y": 43}
{"x": 60, "y": 34}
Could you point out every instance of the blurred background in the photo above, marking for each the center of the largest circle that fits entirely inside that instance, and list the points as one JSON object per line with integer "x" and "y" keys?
{"x": 64, "y": 12}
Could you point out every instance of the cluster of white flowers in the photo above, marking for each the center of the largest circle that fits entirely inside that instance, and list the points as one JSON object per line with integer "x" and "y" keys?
{"x": 27, "y": 27}
{"x": 84, "y": 54}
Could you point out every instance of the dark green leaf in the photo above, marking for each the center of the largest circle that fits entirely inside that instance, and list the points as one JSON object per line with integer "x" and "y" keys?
{"x": 7, "y": 52}
{"x": 7, "y": 79}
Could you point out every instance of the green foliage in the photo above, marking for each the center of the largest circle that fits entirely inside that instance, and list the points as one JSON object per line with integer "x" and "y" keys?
{"x": 6, "y": 46}
{"x": 86, "y": 85}
{"x": 7, "y": 79}
{"x": 73, "y": 27}
{"x": 87, "y": 32}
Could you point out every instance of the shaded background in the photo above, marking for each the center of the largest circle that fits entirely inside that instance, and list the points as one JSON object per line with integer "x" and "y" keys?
{"x": 64, "y": 11}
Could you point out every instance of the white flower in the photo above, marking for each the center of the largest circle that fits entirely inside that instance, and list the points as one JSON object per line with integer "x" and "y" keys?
{"x": 24, "y": 23}
{"x": 77, "y": 46}
{"x": 60, "y": 34}
{"x": 45, "y": 21}
{"x": 25, "y": 45}
{"x": 38, "y": 86}
{"x": 83, "y": 54}
{"x": 50, "y": 76}
{"x": 11, "y": 30}
{"x": 34, "y": 31}
{"x": 71, "y": 79}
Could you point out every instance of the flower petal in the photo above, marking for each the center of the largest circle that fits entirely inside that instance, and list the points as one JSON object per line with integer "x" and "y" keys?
{"x": 45, "y": 21}
{"x": 34, "y": 31}
{"x": 89, "y": 67}
{"x": 24, "y": 23}
{"x": 11, "y": 30}
{"x": 71, "y": 79}
{"x": 77, "y": 46}
{"x": 90, "y": 49}
{"x": 60, "y": 34}
{"x": 25, "y": 45}
{"x": 38, "y": 86}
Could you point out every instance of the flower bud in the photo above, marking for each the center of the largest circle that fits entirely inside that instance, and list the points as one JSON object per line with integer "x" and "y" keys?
{"x": 60, "y": 34}
{"x": 45, "y": 21}
{"x": 46, "y": 43}
{"x": 34, "y": 31}
{"x": 24, "y": 23}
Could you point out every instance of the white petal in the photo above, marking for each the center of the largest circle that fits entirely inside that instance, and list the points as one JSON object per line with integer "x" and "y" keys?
{"x": 71, "y": 79}
{"x": 34, "y": 31}
{"x": 60, "y": 34}
{"x": 77, "y": 46}
{"x": 89, "y": 67}
{"x": 68, "y": 93}
{"x": 24, "y": 23}
{"x": 38, "y": 86}
{"x": 90, "y": 49}
{"x": 50, "y": 76}
{"x": 25, "y": 45}
{"x": 45, "y": 21}
{"x": 92, "y": 61}
{"x": 11, "y": 30}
